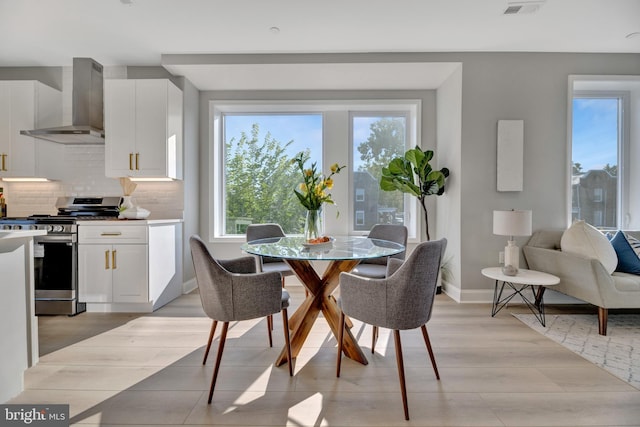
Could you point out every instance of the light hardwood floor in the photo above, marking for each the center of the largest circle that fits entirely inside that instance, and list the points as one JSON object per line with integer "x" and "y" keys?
{"x": 122, "y": 369}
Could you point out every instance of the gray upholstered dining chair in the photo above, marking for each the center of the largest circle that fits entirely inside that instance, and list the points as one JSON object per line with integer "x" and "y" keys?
{"x": 265, "y": 231}
{"x": 376, "y": 268}
{"x": 403, "y": 300}
{"x": 231, "y": 290}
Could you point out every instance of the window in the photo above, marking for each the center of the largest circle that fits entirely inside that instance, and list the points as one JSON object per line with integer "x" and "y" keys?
{"x": 597, "y": 152}
{"x": 377, "y": 138}
{"x": 597, "y": 218}
{"x": 253, "y": 178}
{"x": 598, "y": 195}
{"x": 258, "y": 177}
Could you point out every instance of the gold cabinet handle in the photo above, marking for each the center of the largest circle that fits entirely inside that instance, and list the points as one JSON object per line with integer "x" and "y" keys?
{"x": 137, "y": 161}
{"x": 4, "y": 162}
{"x": 111, "y": 233}
{"x": 130, "y": 161}
{"x": 113, "y": 259}
{"x": 106, "y": 260}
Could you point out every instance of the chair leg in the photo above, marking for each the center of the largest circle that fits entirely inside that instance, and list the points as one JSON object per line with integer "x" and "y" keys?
{"x": 400, "y": 360}
{"x": 270, "y": 328}
{"x": 603, "y": 315}
{"x": 374, "y": 339}
{"x": 287, "y": 341}
{"x": 340, "y": 336}
{"x": 427, "y": 341}
{"x": 213, "y": 331}
{"x": 223, "y": 338}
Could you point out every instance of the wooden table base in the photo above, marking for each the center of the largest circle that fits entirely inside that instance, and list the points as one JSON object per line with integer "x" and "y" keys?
{"x": 319, "y": 299}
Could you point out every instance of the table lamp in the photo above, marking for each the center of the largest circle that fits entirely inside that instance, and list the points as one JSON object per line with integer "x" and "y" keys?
{"x": 512, "y": 223}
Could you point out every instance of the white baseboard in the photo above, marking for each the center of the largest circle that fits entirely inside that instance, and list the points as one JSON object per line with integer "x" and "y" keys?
{"x": 134, "y": 307}
{"x": 477, "y": 296}
{"x": 189, "y": 286}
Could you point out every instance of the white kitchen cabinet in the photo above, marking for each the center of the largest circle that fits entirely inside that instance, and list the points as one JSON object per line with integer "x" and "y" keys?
{"x": 129, "y": 266}
{"x": 25, "y": 105}
{"x": 143, "y": 128}
{"x": 113, "y": 264}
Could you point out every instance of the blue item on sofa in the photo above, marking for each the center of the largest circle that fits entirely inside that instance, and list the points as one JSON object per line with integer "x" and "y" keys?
{"x": 628, "y": 261}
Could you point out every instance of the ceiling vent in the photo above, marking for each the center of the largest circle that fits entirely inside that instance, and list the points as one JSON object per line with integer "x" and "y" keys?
{"x": 523, "y": 7}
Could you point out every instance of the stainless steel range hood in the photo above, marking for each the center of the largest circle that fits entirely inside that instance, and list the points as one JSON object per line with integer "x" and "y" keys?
{"x": 87, "y": 108}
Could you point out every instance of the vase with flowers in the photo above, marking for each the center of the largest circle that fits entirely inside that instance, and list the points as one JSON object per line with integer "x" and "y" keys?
{"x": 312, "y": 193}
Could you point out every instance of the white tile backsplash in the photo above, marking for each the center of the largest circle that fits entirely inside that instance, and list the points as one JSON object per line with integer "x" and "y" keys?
{"x": 81, "y": 171}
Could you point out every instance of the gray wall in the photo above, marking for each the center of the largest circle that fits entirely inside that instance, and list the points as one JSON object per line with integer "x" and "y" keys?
{"x": 528, "y": 86}
{"x": 532, "y": 87}
{"x": 51, "y": 76}
{"x": 191, "y": 155}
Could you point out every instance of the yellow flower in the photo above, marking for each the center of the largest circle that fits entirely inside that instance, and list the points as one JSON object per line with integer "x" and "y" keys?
{"x": 311, "y": 192}
{"x": 328, "y": 183}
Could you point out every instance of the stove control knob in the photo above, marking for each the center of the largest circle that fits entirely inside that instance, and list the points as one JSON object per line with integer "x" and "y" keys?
{"x": 17, "y": 227}
{"x": 57, "y": 228}
{"x": 49, "y": 227}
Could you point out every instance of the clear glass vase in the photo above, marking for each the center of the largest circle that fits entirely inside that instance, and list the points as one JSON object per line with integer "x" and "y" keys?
{"x": 313, "y": 225}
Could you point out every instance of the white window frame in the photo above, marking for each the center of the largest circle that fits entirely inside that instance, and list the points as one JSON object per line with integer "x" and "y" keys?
{"x": 336, "y": 141}
{"x": 360, "y": 219}
{"x": 359, "y": 194}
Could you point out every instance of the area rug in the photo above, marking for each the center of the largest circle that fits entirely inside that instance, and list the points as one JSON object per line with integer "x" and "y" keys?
{"x": 617, "y": 353}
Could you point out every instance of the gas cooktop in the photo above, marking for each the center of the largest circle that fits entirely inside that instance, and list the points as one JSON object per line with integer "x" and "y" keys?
{"x": 70, "y": 210}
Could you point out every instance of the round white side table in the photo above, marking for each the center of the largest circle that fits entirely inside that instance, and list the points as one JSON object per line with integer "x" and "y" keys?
{"x": 525, "y": 279}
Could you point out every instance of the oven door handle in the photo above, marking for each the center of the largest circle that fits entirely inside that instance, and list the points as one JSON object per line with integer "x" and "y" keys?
{"x": 53, "y": 238}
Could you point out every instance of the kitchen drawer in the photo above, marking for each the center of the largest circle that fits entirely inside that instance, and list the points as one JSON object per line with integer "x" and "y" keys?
{"x": 112, "y": 234}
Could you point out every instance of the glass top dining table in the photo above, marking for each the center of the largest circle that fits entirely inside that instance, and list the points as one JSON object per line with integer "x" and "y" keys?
{"x": 338, "y": 248}
{"x": 343, "y": 253}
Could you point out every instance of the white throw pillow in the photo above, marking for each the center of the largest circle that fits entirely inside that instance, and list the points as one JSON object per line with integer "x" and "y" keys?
{"x": 586, "y": 240}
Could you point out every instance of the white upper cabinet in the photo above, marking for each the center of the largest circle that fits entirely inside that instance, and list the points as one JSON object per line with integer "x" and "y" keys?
{"x": 143, "y": 128}
{"x": 24, "y": 105}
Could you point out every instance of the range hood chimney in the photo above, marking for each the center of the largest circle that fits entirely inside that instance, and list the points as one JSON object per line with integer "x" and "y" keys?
{"x": 87, "y": 108}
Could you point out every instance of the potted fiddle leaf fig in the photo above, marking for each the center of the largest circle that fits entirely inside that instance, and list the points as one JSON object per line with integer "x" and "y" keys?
{"x": 414, "y": 175}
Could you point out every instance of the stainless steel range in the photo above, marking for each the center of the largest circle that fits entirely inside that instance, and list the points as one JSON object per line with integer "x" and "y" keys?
{"x": 56, "y": 254}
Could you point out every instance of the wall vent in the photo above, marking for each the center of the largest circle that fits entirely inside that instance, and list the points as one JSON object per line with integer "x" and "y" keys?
{"x": 523, "y": 7}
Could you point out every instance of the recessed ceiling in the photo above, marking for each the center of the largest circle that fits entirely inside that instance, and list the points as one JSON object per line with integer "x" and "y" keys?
{"x": 313, "y": 76}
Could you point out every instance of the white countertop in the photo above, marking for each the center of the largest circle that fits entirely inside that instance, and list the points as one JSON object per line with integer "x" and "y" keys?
{"x": 129, "y": 221}
{"x": 21, "y": 234}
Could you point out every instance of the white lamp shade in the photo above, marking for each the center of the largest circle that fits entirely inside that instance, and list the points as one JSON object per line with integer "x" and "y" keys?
{"x": 512, "y": 223}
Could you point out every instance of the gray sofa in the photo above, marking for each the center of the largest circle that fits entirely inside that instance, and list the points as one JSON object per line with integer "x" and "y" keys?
{"x": 582, "y": 278}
